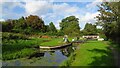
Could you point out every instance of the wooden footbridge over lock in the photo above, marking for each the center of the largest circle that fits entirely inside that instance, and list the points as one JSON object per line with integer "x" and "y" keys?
{"x": 62, "y": 46}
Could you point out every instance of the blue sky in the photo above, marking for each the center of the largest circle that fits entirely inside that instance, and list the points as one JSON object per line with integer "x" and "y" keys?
{"x": 51, "y": 11}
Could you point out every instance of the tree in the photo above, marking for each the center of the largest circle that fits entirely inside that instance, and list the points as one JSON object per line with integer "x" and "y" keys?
{"x": 47, "y": 28}
{"x": 70, "y": 26}
{"x": 52, "y": 27}
{"x": 26, "y": 25}
{"x": 90, "y": 29}
{"x": 35, "y": 22}
{"x": 109, "y": 19}
{"x": 20, "y": 25}
{"x": 8, "y": 25}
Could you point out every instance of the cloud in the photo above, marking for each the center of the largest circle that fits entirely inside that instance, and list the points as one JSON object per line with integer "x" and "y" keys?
{"x": 38, "y": 7}
{"x": 65, "y": 8}
{"x": 60, "y": 11}
{"x": 8, "y": 10}
{"x": 88, "y": 18}
{"x": 57, "y": 24}
{"x": 2, "y": 20}
{"x": 51, "y": 12}
{"x": 94, "y": 4}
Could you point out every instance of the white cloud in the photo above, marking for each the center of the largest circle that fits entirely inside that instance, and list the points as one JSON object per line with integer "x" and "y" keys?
{"x": 59, "y": 11}
{"x": 57, "y": 24}
{"x": 38, "y": 7}
{"x": 7, "y": 10}
{"x": 94, "y": 4}
{"x": 52, "y": 12}
{"x": 2, "y": 20}
{"x": 65, "y": 9}
{"x": 88, "y": 18}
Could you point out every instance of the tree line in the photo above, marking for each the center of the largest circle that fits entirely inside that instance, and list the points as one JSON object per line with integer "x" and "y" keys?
{"x": 27, "y": 25}
{"x": 34, "y": 24}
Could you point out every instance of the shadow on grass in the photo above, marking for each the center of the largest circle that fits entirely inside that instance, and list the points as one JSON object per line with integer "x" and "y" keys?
{"x": 106, "y": 58}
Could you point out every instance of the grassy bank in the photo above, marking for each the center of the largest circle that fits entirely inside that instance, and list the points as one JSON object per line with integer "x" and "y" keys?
{"x": 16, "y": 45}
{"x": 54, "y": 42}
{"x": 91, "y": 53}
{"x": 13, "y": 49}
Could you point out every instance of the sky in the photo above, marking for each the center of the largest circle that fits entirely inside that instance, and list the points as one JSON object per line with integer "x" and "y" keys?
{"x": 51, "y": 11}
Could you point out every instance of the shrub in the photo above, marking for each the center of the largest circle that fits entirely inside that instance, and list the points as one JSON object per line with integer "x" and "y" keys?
{"x": 8, "y": 36}
{"x": 19, "y": 54}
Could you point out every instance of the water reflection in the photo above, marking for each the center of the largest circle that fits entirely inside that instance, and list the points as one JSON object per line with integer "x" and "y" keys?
{"x": 44, "y": 57}
{"x": 67, "y": 51}
{"x": 36, "y": 55}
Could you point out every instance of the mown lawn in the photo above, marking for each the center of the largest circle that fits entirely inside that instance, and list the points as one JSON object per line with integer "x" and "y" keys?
{"x": 52, "y": 42}
{"x": 91, "y": 53}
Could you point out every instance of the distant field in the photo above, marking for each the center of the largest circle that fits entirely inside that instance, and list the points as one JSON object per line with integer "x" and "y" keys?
{"x": 91, "y": 53}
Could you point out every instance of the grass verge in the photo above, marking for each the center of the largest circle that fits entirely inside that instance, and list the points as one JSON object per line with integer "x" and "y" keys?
{"x": 91, "y": 53}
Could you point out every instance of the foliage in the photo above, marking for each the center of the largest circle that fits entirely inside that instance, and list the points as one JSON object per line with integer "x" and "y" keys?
{"x": 26, "y": 25}
{"x": 18, "y": 54}
{"x": 70, "y": 26}
{"x": 15, "y": 36}
{"x": 52, "y": 28}
{"x": 7, "y": 26}
{"x": 68, "y": 62}
{"x": 35, "y": 22}
{"x": 109, "y": 19}
{"x": 90, "y": 29}
{"x": 16, "y": 45}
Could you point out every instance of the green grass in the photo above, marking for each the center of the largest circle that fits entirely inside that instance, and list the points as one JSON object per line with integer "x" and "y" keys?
{"x": 91, "y": 53}
{"x": 15, "y": 45}
{"x": 52, "y": 42}
{"x": 18, "y": 54}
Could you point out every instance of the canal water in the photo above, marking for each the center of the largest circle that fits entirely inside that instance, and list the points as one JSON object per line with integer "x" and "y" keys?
{"x": 43, "y": 57}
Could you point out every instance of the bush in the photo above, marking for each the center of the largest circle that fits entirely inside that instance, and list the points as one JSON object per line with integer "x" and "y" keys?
{"x": 8, "y": 36}
{"x": 19, "y": 54}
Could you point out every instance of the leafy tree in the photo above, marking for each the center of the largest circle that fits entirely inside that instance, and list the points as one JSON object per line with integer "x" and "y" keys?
{"x": 52, "y": 28}
{"x": 70, "y": 26}
{"x": 47, "y": 28}
{"x": 90, "y": 29}
{"x": 26, "y": 25}
{"x": 8, "y": 25}
{"x": 20, "y": 25}
{"x": 35, "y": 22}
{"x": 109, "y": 19}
